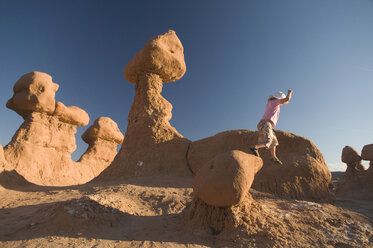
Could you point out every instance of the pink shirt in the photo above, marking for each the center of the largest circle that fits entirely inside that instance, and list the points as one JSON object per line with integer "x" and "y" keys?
{"x": 272, "y": 111}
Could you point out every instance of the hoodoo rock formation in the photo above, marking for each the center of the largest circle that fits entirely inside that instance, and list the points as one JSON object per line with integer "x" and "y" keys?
{"x": 226, "y": 179}
{"x": 103, "y": 137}
{"x": 352, "y": 158}
{"x": 151, "y": 144}
{"x": 367, "y": 153}
{"x": 41, "y": 148}
{"x": 304, "y": 174}
{"x": 356, "y": 178}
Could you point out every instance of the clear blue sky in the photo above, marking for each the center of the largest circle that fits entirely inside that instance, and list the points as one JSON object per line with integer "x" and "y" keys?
{"x": 237, "y": 54}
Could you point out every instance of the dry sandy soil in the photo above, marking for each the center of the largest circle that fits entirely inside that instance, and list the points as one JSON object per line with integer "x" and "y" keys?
{"x": 161, "y": 212}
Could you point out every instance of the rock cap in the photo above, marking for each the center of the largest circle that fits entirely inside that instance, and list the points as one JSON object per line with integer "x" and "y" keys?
{"x": 367, "y": 152}
{"x": 226, "y": 179}
{"x": 72, "y": 114}
{"x": 103, "y": 128}
{"x": 350, "y": 155}
{"x": 34, "y": 91}
{"x": 162, "y": 55}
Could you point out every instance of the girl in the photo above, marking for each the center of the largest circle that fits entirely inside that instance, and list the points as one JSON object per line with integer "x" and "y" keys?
{"x": 267, "y": 137}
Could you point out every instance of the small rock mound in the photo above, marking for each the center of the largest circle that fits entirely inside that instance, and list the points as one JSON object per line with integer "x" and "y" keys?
{"x": 304, "y": 175}
{"x": 225, "y": 180}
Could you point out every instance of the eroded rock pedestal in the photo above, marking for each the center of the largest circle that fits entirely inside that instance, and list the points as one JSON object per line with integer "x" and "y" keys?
{"x": 41, "y": 148}
{"x": 356, "y": 178}
{"x": 151, "y": 145}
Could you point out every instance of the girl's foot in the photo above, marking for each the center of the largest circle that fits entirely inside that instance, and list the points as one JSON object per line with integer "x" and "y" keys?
{"x": 255, "y": 151}
{"x": 276, "y": 160}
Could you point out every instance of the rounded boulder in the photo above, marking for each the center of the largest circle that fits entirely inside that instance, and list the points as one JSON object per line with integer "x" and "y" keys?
{"x": 226, "y": 179}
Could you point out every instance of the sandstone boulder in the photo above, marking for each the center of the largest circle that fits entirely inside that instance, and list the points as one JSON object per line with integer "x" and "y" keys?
{"x": 367, "y": 152}
{"x": 162, "y": 55}
{"x": 350, "y": 155}
{"x": 151, "y": 145}
{"x": 72, "y": 115}
{"x": 226, "y": 179}
{"x": 304, "y": 174}
{"x": 34, "y": 91}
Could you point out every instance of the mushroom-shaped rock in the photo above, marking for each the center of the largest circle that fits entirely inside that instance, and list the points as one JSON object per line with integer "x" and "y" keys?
{"x": 162, "y": 55}
{"x": 72, "y": 115}
{"x": 367, "y": 152}
{"x": 34, "y": 91}
{"x": 350, "y": 155}
{"x": 151, "y": 145}
{"x": 103, "y": 128}
{"x": 225, "y": 180}
{"x": 103, "y": 138}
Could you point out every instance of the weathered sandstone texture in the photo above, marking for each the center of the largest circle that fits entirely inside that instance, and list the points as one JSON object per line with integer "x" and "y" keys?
{"x": 304, "y": 174}
{"x": 103, "y": 137}
{"x": 367, "y": 152}
{"x": 151, "y": 144}
{"x": 226, "y": 179}
{"x": 356, "y": 178}
{"x": 72, "y": 115}
{"x": 350, "y": 155}
{"x": 352, "y": 158}
{"x": 33, "y": 92}
{"x": 225, "y": 220}
{"x": 41, "y": 149}
{"x": 162, "y": 55}
{"x": 2, "y": 159}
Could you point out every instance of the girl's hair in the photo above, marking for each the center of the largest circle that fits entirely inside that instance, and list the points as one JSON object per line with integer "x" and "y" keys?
{"x": 271, "y": 98}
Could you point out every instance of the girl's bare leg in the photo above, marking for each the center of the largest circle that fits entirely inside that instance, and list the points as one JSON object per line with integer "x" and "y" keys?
{"x": 259, "y": 146}
{"x": 273, "y": 152}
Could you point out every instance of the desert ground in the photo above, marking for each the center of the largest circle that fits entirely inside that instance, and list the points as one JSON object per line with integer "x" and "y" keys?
{"x": 160, "y": 212}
